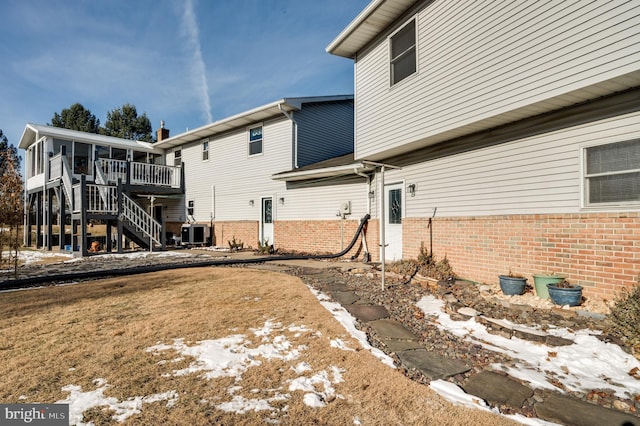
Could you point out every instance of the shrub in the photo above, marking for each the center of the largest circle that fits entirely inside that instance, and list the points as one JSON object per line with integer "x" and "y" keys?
{"x": 426, "y": 265}
{"x": 625, "y": 315}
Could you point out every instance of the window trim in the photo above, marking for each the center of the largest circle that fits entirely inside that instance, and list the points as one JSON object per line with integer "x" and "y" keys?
{"x": 205, "y": 149}
{"x": 414, "y": 48}
{"x": 584, "y": 184}
{"x": 249, "y": 141}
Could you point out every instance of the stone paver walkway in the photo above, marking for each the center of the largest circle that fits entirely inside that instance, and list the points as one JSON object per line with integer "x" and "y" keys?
{"x": 497, "y": 389}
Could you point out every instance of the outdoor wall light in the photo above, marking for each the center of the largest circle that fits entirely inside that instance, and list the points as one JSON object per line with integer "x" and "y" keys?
{"x": 251, "y": 203}
{"x": 281, "y": 201}
{"x": 372, "y": 195}
{"x": 411, "y": 189}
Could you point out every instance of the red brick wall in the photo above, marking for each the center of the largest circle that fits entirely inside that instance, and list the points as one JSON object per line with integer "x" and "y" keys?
{"x": 245, "y": 231}
{"x": 599, "y": 251}
{"x": 319, "y": 236}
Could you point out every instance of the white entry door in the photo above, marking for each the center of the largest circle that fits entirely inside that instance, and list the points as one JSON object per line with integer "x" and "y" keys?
{"x": 393, "y": 221}
{"x": 266, "y": 222}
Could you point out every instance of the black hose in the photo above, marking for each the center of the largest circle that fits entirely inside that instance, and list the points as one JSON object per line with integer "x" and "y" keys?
{"x": 72, "y": 276}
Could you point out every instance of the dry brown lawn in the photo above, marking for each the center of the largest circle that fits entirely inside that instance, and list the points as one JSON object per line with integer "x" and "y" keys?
{"x": 73, "y": 335}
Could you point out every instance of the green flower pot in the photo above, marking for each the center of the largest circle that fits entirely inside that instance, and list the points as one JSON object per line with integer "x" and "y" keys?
{"x": 540, "y": 283}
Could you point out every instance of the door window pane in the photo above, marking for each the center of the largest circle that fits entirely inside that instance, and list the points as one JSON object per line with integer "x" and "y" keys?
{"x": 395, "y": 206}
{"x": 267, "y": 216}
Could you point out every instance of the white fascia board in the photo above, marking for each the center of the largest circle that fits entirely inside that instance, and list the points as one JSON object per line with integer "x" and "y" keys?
{"x": 324, "y": 172}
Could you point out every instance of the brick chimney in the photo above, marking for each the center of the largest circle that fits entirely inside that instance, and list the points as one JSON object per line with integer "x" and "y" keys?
{"x": 162, "y": 133}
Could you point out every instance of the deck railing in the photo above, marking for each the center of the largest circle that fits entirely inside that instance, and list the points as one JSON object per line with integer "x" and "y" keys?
{"x": 155, "y": 174}
{"x": 55, "y": 166}
{"x": 142, "y": 220}
{"x": 101, "y": 199}
{"x": 59, "y": 169}
{"x": 140, "y": 173}
{"x": 112, "y": 170}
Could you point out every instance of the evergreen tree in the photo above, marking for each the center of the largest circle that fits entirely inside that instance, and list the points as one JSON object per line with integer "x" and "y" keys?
{"x": 76, "y": 117}
{"x": 126, "y": 124}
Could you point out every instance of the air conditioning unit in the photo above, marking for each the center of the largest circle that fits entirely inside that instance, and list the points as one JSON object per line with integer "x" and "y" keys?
{"x": 194, "y": 234}
{"x": 345, "y": 208}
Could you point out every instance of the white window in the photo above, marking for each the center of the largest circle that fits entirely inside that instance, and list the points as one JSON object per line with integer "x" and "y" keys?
{"x": 612, "y": 173}
{"x": 190, "y": 207}
{"x": 177, "y": 157}
{"x": 403, "y": 53}
{"x": 205, "y": 150}
{"x": 255, "y": 140}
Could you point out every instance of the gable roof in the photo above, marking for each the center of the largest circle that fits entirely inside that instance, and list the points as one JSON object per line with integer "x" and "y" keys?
{"x": 246, "y": 118}
{"x": 377, "y": 16}
{"x": 32, "y": 132}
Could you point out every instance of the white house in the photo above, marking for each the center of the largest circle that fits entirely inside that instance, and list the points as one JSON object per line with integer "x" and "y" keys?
{"x": 74, "y": 180}
{"x": 504, "y": 135}
{"x": 228, "y": 167}
{"x": 206, "y": 186}
{"x": 511, "y": 128}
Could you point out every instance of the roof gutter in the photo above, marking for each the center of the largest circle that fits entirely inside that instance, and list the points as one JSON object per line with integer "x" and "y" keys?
{"x": 289, "y": 115}
{"x": 334, "y": 47}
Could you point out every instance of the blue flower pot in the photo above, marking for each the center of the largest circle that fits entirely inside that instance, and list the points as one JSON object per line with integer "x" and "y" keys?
{"x": 512, "y": 285}
{"x": 565, "y": 296}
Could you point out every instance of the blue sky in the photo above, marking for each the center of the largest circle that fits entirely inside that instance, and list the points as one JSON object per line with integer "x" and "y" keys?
{"x": 187, "y": 62}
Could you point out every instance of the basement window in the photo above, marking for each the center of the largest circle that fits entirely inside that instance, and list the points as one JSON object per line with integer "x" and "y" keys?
{"x": 403, "y": 53}
{"x": 612, "y": 174}
{"x": 255, "y": 140}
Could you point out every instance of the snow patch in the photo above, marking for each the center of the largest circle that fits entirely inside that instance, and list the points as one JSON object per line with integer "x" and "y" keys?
{"x": 80, "y": 401}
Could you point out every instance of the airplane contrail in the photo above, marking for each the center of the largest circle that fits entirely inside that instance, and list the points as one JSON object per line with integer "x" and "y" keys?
{"x": 190, "y": 25}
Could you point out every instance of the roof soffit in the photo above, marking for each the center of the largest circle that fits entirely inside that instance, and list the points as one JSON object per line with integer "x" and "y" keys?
{"x": 368, "y": 25}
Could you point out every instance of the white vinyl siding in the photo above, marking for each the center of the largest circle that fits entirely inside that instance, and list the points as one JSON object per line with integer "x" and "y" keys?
{"x": 534, "y": 175}
{"x": 322, "y": 202}
{"x": 223, "y": 187}
{"x": 482, "y": 64}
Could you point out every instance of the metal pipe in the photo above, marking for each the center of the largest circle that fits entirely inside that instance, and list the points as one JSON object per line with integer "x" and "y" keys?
{"x": 368, "y": 177}
{"x": 382, "y": 226}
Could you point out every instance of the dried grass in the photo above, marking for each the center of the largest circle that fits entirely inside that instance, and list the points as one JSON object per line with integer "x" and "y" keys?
{"x": 58, "y": 336}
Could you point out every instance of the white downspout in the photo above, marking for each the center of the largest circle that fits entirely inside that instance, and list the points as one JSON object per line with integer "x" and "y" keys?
{"x": 295, "y": 135}
{"x": 368, "y": 177}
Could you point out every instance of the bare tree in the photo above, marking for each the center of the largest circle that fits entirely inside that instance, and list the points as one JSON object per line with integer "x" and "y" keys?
{"x": 11, "y": 208}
